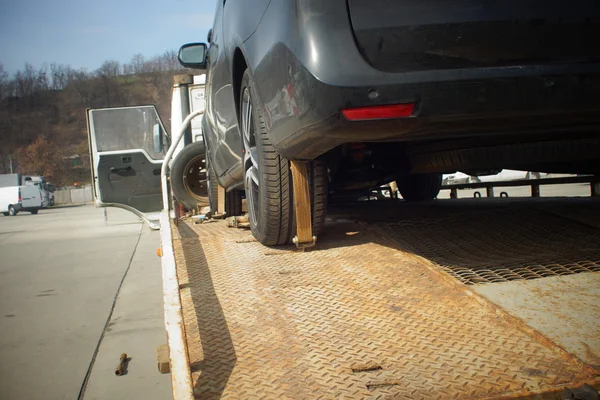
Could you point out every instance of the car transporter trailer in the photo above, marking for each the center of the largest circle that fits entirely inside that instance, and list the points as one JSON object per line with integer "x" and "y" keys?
{"x": 460, "y": 298}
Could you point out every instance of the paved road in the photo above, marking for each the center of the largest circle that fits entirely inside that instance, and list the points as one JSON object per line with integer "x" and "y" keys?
{"x": 60, "y": 271}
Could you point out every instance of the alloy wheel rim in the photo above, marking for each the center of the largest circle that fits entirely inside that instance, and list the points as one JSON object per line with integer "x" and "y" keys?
{"x": 251, "y": 168}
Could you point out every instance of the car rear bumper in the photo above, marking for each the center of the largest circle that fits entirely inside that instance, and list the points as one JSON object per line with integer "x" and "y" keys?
{"x": 305, "y": 81}
{"x": 305, "y": 121}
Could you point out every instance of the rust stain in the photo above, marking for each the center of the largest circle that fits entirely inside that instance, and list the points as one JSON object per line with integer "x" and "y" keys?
{"x": 591, "y": 355}
{"x": 354, "y": 318}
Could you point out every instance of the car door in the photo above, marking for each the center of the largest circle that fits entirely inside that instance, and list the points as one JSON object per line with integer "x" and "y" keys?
{"x": 31, "y": 196}
{"x": 127, "y": 146}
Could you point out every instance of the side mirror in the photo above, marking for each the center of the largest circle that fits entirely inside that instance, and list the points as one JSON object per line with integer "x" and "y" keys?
{"x": 193, "y": 55}
{"x": 157, "y": 138}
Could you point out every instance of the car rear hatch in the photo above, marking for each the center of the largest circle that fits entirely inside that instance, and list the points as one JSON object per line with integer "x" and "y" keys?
{"x": 414, "y": 35}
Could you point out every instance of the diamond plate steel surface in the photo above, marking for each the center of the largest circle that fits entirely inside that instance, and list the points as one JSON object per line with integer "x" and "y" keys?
{"x": 500, "y": 245}
{"x": 352, "y": 319}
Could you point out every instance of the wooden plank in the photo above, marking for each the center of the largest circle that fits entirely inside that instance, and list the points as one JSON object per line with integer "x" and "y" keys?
{"x": 163, "y": 358}
{"x": 393, "y": 190}
{"x": 304, "y": 236}
{"x": 221, "y": 200}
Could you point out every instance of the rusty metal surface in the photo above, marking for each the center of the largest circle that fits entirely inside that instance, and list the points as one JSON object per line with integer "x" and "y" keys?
{"x": 564, "y": 308}
{"x": 500, "y": 244}
{"x": 353, "y": 318}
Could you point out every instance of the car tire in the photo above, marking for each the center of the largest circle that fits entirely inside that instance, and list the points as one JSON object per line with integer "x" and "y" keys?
{"x": 188, "y": 176}
{"x": 34, "y": 212}
{"x": 233, "y": 198}
{"x": 268, "y": 179}
{"x": 420, "y": 187}
{"x": 12, "y": 211}
{"x": 5, "y": 214}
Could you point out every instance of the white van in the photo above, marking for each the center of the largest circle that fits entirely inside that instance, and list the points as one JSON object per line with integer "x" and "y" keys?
{"x": 20, "y": 198}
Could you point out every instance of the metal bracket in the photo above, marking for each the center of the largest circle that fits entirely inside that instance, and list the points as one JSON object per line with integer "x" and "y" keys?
{"x": 304, "y": 237}
{"x": 240, "y": 222}
{"x": 304, "y": 245}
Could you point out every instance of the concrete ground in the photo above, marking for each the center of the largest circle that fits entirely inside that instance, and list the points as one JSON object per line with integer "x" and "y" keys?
{"x": 60, "y": 272}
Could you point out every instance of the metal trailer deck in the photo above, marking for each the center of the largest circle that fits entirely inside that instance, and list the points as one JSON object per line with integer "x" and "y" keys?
{"x": 471, "y": 298}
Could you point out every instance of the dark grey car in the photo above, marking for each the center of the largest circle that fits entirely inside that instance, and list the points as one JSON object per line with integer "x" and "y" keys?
{"x": 374, "y": 91}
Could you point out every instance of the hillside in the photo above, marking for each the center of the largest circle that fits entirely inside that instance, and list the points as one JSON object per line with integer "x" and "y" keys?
{"x": 42, "y": 113}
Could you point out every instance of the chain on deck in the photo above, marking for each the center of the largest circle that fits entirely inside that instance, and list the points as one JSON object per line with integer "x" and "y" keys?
{"x": 354, "y": 318}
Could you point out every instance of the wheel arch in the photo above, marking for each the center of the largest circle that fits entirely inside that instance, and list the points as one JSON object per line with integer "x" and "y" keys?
{"x": 239, "y": 66}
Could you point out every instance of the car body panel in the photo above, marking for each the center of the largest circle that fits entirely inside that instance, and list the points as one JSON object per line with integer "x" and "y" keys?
{"x": 9, "y": 195}
{"x": 222, "y": 116}
{"x": 30, "y": 198}
{"x": 402, "y": 36}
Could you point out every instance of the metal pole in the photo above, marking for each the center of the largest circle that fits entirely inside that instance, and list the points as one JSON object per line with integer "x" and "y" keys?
{"x": 180, "y": 108}
{"x": 10, "y": 163}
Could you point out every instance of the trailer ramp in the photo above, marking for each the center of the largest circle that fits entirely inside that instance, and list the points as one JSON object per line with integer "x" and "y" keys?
{"x": 366, "y": 314}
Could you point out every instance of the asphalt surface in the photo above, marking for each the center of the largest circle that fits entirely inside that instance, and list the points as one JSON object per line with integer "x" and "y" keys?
{"x": 63, "y": 272}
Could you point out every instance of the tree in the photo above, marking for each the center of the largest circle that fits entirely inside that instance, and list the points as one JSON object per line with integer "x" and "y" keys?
{"x": 80, "y": 82}
{"x": 171, "y": 61}
{"x": 29, "y": 81}
{"x": 25, "y": 81}
{"x": 108, "y": 71}
{"x": 110, "y": 68}
{"x": 36, "y": 159}
{"x": 138, "y": 64}
{"x": 4, "y": 83}
{"x": 60, "y": 75}
{"x": 42, "y": 116}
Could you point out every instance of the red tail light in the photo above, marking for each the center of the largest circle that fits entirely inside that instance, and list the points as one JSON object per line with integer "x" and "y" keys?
{"x": 379, "y": 112}
{"x": 20, "y": 200}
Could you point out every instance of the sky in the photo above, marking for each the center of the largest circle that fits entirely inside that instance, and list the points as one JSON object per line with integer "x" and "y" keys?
{"x": 85, "y": 33}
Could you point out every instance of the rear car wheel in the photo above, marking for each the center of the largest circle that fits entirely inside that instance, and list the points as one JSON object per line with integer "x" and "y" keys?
{"x": 419, "y": 187}
{"x": 268, "y": 179}
{"x": 33, "y": 212}
{"x": 188, "y": 176}
{"x": 5, "y": 214}
{"x": 12, "y": 211}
